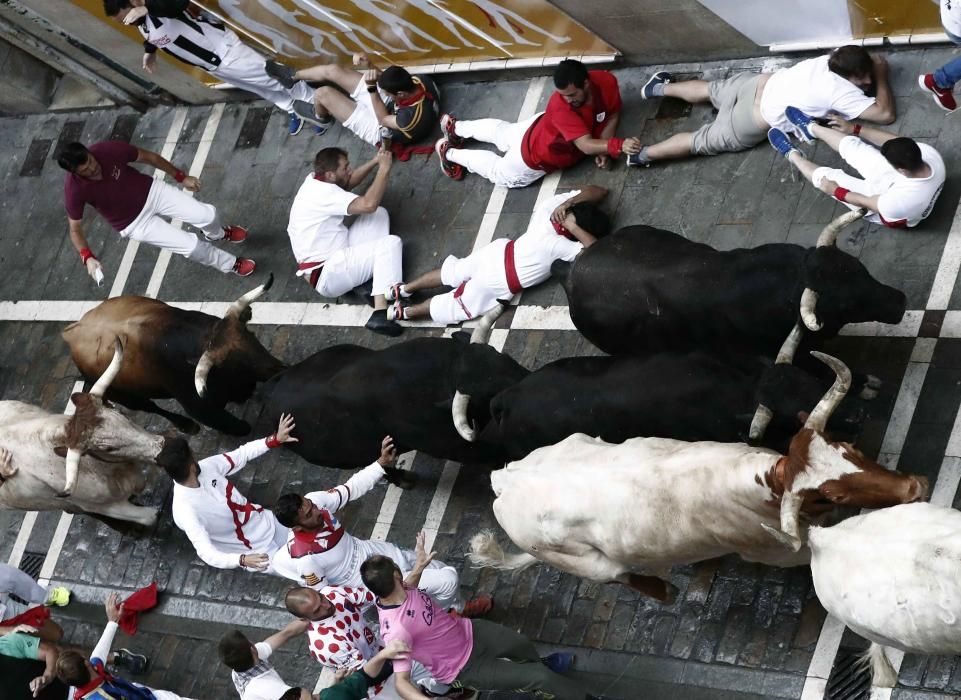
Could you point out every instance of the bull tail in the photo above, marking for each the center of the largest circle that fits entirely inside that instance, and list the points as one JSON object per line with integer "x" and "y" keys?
{"x": 486, "y": 552}
{"x": 883, "y": 674}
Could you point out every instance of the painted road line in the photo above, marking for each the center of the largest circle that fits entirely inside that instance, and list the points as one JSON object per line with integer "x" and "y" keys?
{"x": 196, "y": 167}
{"x": 167, "y": 152}
{"x": 30, "y": 518}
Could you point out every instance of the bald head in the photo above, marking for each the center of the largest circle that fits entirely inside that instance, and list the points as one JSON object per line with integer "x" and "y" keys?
{"x": 308, "y": 604}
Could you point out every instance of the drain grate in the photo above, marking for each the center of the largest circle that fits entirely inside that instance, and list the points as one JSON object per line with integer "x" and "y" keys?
{"x": 32, "y": 562}
{"x": 849, "y": 680}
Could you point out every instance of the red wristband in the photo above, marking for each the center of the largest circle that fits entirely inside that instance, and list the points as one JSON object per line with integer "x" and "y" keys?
{"x": 86, "y": 254}
{"x": 614, "y": 146}
{"x": 272, "y": 441}
{"x": 840, "y": 193}
{"x": 180, "y": 176}
{"x": 857, "y": 130}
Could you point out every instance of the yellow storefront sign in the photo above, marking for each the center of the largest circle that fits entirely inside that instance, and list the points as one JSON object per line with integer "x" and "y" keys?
{"x": 877, "y": 18}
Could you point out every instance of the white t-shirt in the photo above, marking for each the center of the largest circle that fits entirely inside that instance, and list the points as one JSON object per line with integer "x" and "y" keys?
{"x": 813, "y": 89}
{"x": 316, "y": 227}
{"x": 265, "y": 686}
{"x": 951, "y": 16}
{"x": 540, "y": 245}
{"x": 909, "y": 200}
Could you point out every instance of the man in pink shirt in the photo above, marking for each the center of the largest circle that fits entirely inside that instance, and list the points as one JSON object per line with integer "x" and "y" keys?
{"x": 461, "y": 652}
{"x": 138, "y": 206}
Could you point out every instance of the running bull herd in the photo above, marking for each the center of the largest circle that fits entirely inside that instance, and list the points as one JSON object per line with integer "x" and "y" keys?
{"x": 712, "y": 420}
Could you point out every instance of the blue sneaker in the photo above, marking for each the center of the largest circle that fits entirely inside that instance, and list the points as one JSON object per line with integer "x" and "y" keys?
{"x": 635, "y": 160}
{"x": 780, "y": 142}
{"x": 802, "y": 121}
{"x": 295, "y": 124}
{"x": 321, "y": 127}
{"x": 659, "y": 78}
{"x": 559, "y": 662}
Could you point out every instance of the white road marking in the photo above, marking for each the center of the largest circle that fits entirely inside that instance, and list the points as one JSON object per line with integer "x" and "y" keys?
{"x": 173, "y": 137}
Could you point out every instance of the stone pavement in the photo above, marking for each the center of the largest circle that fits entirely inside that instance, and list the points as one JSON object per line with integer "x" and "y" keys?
{"x": 738, "y": 630}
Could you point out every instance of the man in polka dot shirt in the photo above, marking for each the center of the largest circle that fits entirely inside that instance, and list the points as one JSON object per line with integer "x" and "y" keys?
{"x": 340, "y": 637}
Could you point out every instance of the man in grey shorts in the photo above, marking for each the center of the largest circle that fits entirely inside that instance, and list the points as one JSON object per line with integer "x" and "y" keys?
{"x": 748, "y": 104}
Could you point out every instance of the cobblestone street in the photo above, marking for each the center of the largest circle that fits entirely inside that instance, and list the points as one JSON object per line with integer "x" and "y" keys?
{"x": 737, "y": 630}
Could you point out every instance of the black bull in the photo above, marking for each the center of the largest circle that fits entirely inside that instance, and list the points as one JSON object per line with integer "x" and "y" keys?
{"x": 346, "y": 398}
{"x": 642, "y": 290}
{"x": 685, "y": 396}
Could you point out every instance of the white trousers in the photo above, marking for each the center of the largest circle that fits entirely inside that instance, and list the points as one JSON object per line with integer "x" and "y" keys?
{"x": 878, "y": 174}
{"x": 165, "y": 694}
{"x": 243, "y": 67}
{"x": 484, "y": 280}
{"x": 166, "y": 201}
{"x": 362, "y": 122}
{"x": 371, "y": 253}
{"x": 508, "y": 170}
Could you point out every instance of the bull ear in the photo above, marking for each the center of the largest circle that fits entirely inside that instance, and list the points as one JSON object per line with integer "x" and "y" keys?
{"x": 80, "y": 399}
{"x": 802, "y": 417}
{"x": 60, "y": 451}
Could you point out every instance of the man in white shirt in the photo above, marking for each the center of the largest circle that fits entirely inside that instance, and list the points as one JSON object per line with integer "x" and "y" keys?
{"x": 901, "y": 178}
{"x": 335, "y": 258}
{"x": 224, "y": 527}
{"x": 559, "y": 230}
{"x": 325, "y": 554}
{"x": 749, "y": 104}
{"x": 254, "y": 677}
{"x": 940, "y": 84}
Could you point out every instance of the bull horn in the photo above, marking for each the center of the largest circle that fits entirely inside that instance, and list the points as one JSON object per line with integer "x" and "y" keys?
{"x": 204, "y": 365}
{"x": 459, "y": 412}
{"x": 241, "y": 305}
{"x": 809, "y": 300}
{"x": 482, "y": 333}
{"x": 72, "y": 472}
{"x": 822, "y": 412}
{"x": 829, "y": 235}
{"x": 762, "y": 418}
{"x": 113, "y": 369}
{"x": 786, "y": 355}
{"x": 789, "y": 535}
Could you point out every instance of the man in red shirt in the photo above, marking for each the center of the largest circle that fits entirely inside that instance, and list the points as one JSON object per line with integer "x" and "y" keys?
{"x": 133, "y": 203}
{"x": 580, "y": 120}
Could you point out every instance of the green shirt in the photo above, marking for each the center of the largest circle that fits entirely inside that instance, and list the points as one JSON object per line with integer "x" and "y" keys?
{"x": 354, "y": 687}
{"x": 24, "y": 646}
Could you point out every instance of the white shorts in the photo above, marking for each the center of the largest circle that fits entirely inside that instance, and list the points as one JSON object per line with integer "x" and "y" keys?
{"x": 479, "y": 280}
{"x": 363, "y": 121}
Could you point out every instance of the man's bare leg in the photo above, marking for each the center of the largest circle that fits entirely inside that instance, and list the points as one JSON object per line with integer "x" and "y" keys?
{"x": 417, "y": 311}
{"x": 329, "y": 101}
{"x": 692, "y": 91}
{"x": 429, "y": 280}
{"x": 804, "y": 166}
{"x": 677, "y": 146}
{"x": 832, "y": 137}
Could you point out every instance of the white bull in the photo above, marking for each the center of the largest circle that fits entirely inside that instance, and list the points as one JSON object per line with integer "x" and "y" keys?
{"x": 103, "y": 450}
{"x": 605, "y": 512}
{"x": 894, "y": 577}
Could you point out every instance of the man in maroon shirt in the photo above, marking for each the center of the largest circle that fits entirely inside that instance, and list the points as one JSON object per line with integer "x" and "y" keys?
{"x": 580, "y": 120}
{"x": 134, "y": 203}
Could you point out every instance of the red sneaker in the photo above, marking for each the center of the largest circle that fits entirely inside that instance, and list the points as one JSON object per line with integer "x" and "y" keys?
{"x": 235, "y": 234}
{"x": 944, "y": 97}
{"x": 448, "y": 125}
{"x": 452, "y": 170}
{"x": 244, "y": 267}
{"x": 481, "y": 605}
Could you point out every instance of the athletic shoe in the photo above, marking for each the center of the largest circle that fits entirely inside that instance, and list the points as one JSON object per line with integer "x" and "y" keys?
{"x": 448, "y": 125}
{"x": 294, "y": 124}
{"x": 395, "y": 292}
{"x": 58, "y": 597}
{"x": 321, "y": 127}
{"x": 780, "y": 142}
{"x": 659, "y": 78}
{"x": 395, "y": 311}
{"x": 281, "y": 73}
{"x": 131, "y": 661}
{"x": 634, "y": 160}
{"x": 481, "y": 605}
{"x": 452, "y": 170}
{"x": 235, "y": 234}
{"x": 943, "y": 96}
{"x": 559, "y": 662}
{"x": 244, "y": 267}
{"x": 802, "y": 121}
{"x": 379, "y": 323}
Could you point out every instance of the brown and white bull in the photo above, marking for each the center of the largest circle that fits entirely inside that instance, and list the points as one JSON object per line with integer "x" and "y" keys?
{"x": 894, "y": 577}
{"x": 89, "y": 462}
{"x": 200, "y": 360}
{"x": 608, "y": 512}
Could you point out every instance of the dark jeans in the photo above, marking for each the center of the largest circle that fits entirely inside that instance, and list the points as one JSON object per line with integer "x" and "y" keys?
{"x": 503, "y": 659}
{"x": 950, "y": 73}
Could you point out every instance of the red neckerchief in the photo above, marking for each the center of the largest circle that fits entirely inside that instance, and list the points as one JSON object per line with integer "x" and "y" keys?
{"x": 419, "y": 94}
{"x": 237, "y": 510}
{"x": 562, "y": 231}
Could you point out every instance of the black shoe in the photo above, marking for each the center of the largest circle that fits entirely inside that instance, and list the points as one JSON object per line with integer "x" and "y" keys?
{"x": 378, "y": 323}
{"x": 281, "y": 73}
{"x": 130, "y": 661}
